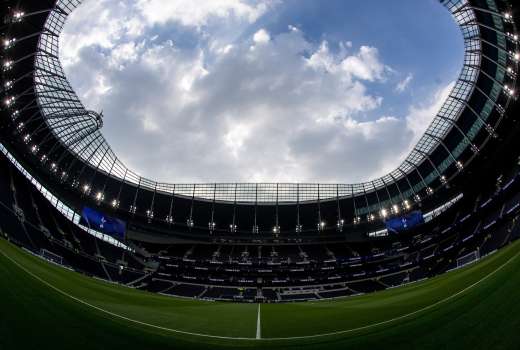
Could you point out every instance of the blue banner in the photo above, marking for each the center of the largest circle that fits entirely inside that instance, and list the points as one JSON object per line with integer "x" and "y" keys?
{"x": 100, "y": 222}
{"x": 405, "y": 222}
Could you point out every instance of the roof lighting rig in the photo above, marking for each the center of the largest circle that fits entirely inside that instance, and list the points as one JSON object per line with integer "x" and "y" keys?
{"x": 7, "y": 65}
{"x": 17, "y": 16}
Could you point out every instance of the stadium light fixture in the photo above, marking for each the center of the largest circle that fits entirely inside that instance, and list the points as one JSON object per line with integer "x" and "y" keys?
{"x": 512, "y": 36}
{"x": 8, "y": 43}
{"x": 406, "y": 204}
{"x": 383, "y": 213}
{"x": 510, "y": 91}
{"x": 491, "y": 131}
{"x": 169, "y": 219}
{"x": 15, "y": 114}
{"x": 256, "y": 229}
{"x": 211, "y": 225}
{"x": 149, "y": 214}
{"x": 357, "y": 220}
{"x": 276, "y": 229}
{"x": 299, "y": 228}
{"x": 190, "y": 223}
{"x": 133, "y": 209}
{"x": 233, "y": 228}
{"x": 8, "y": 85}
{"x": 339, "y": 224}
{"x": 395, "y": 209}
{"x": 9, "y": 101}
{"x": 100, "y": 196}
{"x": 86, "y": 188}
{"x": 114, "y": 203}
{"x": 429, "y": 190}
{"x": 8, "y": 64}
{"x": 18, "y": 16}
{"x": 443, "y": 179}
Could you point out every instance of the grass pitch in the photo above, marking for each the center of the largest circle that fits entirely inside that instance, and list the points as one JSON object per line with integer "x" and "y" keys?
{"x": 43, "y": 306}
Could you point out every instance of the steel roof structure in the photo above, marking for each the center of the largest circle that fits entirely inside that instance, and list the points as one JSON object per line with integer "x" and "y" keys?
{"x": 65, "y": 140}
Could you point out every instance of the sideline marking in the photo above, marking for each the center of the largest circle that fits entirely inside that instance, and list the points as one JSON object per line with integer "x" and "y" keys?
{"x": 257, "y": 339}
{"x": 258, "y": 325}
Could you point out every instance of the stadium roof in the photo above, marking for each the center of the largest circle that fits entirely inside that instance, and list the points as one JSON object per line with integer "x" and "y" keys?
{"x": 67, "y": 140}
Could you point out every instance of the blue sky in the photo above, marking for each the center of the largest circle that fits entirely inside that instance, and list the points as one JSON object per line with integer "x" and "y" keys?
{"x": 413, "y": 37}
{"x": 266, "y": 90}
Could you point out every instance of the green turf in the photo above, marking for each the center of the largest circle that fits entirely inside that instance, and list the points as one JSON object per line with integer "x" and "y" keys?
{"x": 472, "y": 308}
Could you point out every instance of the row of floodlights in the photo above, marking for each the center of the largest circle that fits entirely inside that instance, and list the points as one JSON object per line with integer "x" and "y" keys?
{"x": 17, "y": 16}
{"x": 383, "y": 214}
{"x": 395, "y": 209}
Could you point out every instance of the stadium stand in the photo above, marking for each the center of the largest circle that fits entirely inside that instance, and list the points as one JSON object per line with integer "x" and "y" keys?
{"x": 285, "y": 273}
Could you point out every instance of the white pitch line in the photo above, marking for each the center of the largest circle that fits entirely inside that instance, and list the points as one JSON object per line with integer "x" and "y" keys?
{"x": 259, "y": 339}
{"x": 258, "y": 325}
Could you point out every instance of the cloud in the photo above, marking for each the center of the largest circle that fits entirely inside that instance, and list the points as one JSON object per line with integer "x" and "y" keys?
{"x": 198, "y": 13}
{"x": 264, "y": 107}
{"x": 420, "y": 117}
{"x": 403, "y": 84}
{"x": 365, "y": 65}
{"x": 110, "y": 22}
{"x": 261, "y": 37}
{"x": 364, "y": 150}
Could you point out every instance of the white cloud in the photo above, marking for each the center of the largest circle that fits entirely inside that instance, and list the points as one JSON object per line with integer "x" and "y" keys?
{"x": 109, "y": 21}
{"x": 420, "y": 117}
{"x": 286, "y": 110}
{"x": 403, "y": 84}
{"x": 364, "y": 150}
{"x": 365, "y": 65}
{"x": 198, "y": 13}
{"x": 125, "y": 53}
{"x": 261, "y": 37}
